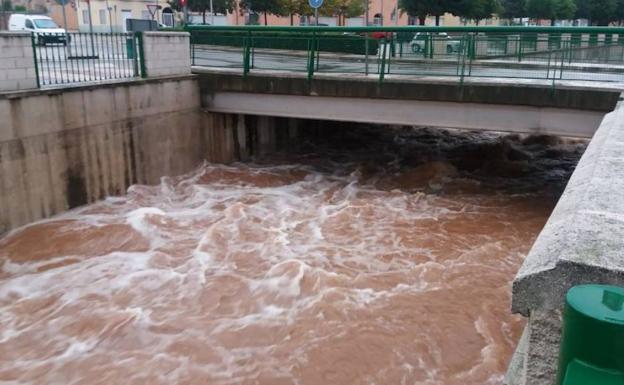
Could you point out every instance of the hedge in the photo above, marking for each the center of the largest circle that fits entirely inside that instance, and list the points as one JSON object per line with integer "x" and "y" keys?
{"x": 298, "y": 41}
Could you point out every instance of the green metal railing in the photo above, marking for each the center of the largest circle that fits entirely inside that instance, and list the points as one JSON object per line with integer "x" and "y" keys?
{"x": 553, "y": 53}
{"x": 74, "y": 57}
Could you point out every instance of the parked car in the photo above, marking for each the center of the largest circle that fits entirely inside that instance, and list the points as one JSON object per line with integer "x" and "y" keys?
{"x": 45, "y": 29}
{"x": 382, "y": 35}
{"x": 418, "y": 42}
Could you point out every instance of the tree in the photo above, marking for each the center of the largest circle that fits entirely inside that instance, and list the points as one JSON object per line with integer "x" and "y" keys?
{"x": 603, "y": 11}
{"x": 619, "y": 12}
{"x": 565, "y": 9}
{"x": 203, "y": 6}
{"x": 551, "y": 9}
{"x": 423, "y": 8}
{"x": 476, "y": 10}
{"x": 512, "y": 9}
{"x": 296, "y": 7}
{"x": 598, "y": 12}
{"x": 343, "y": 9}
{"x": 274, "y": 7}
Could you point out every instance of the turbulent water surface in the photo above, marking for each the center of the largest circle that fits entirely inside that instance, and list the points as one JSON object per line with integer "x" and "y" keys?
{"x": 375, "y": 257}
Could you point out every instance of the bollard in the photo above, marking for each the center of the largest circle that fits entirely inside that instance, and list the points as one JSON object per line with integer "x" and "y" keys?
{"x": 592, "y": 340}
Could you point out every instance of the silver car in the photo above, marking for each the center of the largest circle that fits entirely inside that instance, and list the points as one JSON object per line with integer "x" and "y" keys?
{"x": 418, "y": 42}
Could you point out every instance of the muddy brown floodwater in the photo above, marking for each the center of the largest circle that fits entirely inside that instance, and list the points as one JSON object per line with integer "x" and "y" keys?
{"x": 372, "y": 257}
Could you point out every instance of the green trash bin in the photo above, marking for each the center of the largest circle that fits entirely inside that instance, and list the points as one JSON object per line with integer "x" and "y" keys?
{"x": 592, "y": 340}
{"x": 130, "y": 47}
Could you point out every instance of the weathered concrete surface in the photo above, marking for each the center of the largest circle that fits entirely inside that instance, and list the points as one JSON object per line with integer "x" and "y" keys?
{"x": 17, "y": 63}
{"x": 71, "y": 146}
{"x": 167, "y": 53}
{"x": 582, "y": 242}
{"x": 64, "y": 148}
{"x": 536, "y": 94}
{"x": 472, "y": 116}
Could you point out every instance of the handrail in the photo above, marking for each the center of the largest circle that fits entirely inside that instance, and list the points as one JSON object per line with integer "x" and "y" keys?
{"x": 411, "y": 28}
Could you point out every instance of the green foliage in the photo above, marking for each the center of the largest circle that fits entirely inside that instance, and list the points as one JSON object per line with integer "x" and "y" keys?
{"x": 296, "y": 7}
{"x": 343, "y": 9}
{"x": 551, "y": 9}
{"x": 598, "y": 12}
{"x": 477, "y": 9}
{"x": 424, "y": 8}
{"x": 328, "y": 41}
{"x": 565, "y": 9}
{"x": 512, "y": 9}
{"x": 274, "y": 7}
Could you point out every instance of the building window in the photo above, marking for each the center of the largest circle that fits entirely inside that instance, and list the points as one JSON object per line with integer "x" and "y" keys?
{"x": 85, "y": 16}
{"x": 102, "y": 15}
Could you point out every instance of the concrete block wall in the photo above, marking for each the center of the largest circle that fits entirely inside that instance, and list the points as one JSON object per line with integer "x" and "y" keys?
{"x": 17, "y": 64}
{"x": 167, "y": 53}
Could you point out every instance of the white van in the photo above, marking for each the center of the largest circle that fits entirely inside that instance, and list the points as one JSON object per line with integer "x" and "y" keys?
{"x": 45, "y": 29}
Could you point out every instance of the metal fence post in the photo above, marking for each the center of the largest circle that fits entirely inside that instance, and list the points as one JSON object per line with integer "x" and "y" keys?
{"x": 311, "y": 58}
{"x": 247, "y": 54}
{"x": 141, "y": 55}
{"x": 34, "y": 48}
{"x": 135, "y": 61}
{"x": 382, "y": 70}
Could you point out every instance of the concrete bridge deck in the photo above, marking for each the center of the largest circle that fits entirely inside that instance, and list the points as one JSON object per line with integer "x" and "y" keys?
{"x": 572, "y": 109}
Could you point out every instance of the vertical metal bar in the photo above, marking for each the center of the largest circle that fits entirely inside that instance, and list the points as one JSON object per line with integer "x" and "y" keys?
{"x": 142, "y": 56}
{"x": 42, "y": 49}
{"x": 34, "y": 48}
{"x": 120, "y": 55}
{"x": 548, "y": 65}
{"x": 110, "y": 54}
{"x": 366, "y": 48}
{"x": 246, "y": 53}
{"x": 472, "y": 53}
{"x": 59, "y": 67}
{"x": 311, "y": 58}
{"x": 70, "y": 38}
{"x": 84, "y": 64}
{"x": 101, "y": 71}
{"x": 431, "y": 47}
{"x": 382, "y": 70}
{"x": 135, "y": 57}
{"x": 192, "y": 42}
{"x": 318, "y": 52}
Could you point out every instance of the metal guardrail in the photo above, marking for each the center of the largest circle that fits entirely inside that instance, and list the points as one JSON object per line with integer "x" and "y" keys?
{"x": 74, "y": 57}
{"x": 553, "y": 53}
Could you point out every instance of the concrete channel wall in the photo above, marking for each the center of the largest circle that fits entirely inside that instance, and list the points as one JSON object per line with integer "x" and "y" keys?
{"x": 582, "y": 242}
{"x": 63, "y": 148}
{"x": 68, "y": 147}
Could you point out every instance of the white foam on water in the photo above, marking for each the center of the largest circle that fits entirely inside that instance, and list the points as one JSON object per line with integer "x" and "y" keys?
{"x": 330, "y": 272}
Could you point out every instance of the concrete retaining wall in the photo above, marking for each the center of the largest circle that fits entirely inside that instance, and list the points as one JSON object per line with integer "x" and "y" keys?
{"x": 17, "y": 64}
{"x": 61, "y": 149}
{"x": 167, "y": 53}
{"x": 67, "y": 147}
{"x": 582, "y": 242}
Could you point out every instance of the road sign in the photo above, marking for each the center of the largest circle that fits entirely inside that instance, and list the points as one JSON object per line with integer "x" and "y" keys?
{"x": 315, "y": 3}
{"x": 153, "y": 8}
